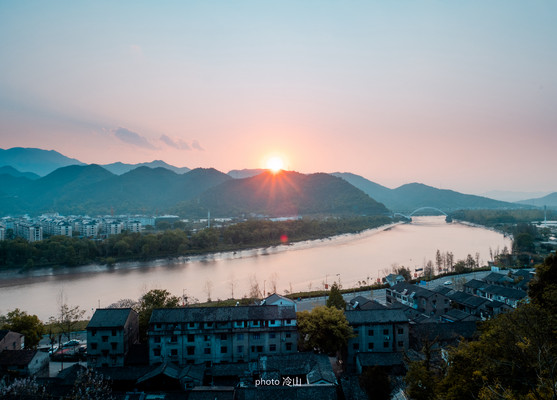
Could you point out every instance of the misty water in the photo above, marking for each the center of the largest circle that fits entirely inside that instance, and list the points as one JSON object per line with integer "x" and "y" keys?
{"x": 301, "y": 266}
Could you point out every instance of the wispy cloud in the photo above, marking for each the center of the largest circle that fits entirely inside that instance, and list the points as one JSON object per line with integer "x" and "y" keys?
{"x": 195, "y": 144}
{"x": 130, "y": 137}
{"x": 177, "y": 144}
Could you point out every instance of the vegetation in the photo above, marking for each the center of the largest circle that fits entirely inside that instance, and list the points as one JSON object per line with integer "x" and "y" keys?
{"x": 66, "y": 251}
{"x": 156, "y": 298}
{"x": 323, "y": 329}
{"x": 335, "y": 298}
{"x": 515, "y": 357}
{"x": 28, "y": 325}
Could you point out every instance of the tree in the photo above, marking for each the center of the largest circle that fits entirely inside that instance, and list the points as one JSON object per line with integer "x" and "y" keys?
{"x": 335, "y": 298}
{"x": 324, "y": 329}
{"x": 28, "y": 325}
{"x": 542, "y": 289}
{"x": 67, "y": 319}
{"x": 90, "y": 385}
{"x": 156, "y": 298}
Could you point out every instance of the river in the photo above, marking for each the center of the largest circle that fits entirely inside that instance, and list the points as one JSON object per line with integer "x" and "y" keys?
{"x": 349, "y": 259}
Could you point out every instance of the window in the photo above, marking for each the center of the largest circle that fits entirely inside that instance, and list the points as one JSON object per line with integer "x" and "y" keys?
{"x": 94, "y": 346}
{"x": 256, "y": 336}
{"x": 174, "y": 352}
{"x": 173, "y": 339}
{"x": 93, "y": 332}
{"x": 206, "y": 338}
{"x": 400, "y": 343}
{"x": 157, "y": 339}
{"x": 223, "y": 336}
{"x": 114, "y": 332}
{"x": 356, "y": 346}
{"x": 158, "y": 326}
{"x": 191, "y": 325}
{"x": 370, "y": 332}
{"x": 240, "y": 349}
{"x": 386, "y": 345}
{"x": 223, "y": 349}
{"x": 207, "y": 350}
{"x": 288, "y": 346}
{"x": 105, "y": 339}
{"x": 191, "y": 350}
{"x": 259, "y": 349}
{"x": 208, "y": 324}
{"x": 385, "y": 331}
{"x": 273, "y": 347}
{"x": 400, "y": 331}
{"x": 157, "y": 352}
{"x": 240, "y": 336}
{"x": 370, "y": 346}
{"x": 191, "y": 338}
{"x": 288, "y": 335}
{"x": 113, "y": 345}
{"x": 272, "y": 335}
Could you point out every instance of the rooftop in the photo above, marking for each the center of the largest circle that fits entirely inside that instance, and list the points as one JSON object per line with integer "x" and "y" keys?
{"x": 221, "y": 314}
{"x": 110, "y": 317}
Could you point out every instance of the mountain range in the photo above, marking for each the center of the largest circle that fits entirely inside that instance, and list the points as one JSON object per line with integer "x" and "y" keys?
{"x": 72, "y": 187}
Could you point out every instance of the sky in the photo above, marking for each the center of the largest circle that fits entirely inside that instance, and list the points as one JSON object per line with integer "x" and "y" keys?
{"x": 459, "y": 95}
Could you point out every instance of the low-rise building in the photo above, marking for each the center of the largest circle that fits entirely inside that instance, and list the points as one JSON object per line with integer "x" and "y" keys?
{"x": 10, "y": 340}
{"x": 426, "y": 301}
{"x": 110, "y": 335}
{"x": 22, "y": 363}
{"x": 220, "y": 334}
{"x": 377, "y": 330}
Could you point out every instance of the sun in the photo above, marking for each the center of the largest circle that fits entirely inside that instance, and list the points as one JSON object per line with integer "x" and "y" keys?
{"x": 275, "y": 164}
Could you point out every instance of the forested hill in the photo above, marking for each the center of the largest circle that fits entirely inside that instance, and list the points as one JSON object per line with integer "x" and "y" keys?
{"x": 284, "y": 194}
{"x": 91, "y": 189}
{"x": 409, "y": 197}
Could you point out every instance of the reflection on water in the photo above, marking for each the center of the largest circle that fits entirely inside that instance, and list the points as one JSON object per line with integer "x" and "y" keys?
{"x": 301, "y": 266}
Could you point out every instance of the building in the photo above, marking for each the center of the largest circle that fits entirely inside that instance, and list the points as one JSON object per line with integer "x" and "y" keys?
{"x": 220, "y": 334}
{"x": 22, "y": 363}
{"x": 377, "y": 330}
{"x": 28, "y": 231}
{"x": 2, "y": 233}
{"x": 10, "y": 340}
{"x": 110, "y": 334}
{"x": 428, "y": 302}
{"x": 278, "y": 300}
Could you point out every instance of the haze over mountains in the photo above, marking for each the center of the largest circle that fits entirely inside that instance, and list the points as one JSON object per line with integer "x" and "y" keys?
{"x": 72, "y": 187}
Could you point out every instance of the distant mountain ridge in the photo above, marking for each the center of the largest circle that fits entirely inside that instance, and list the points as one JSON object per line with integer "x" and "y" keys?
{"x": 285, "y": 194}
{"x": 119, "y": 168}
{"x": 550, "y": 201}
{"x": 412, "y": 196}
{"x": 245, "y": 173}
{"x": 8, "y": 170}
{"x": 38, "y": 161}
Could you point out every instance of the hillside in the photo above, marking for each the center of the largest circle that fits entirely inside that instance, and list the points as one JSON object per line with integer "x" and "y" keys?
{"x": 412, "y": 196}
{"x": 284, "y": 194}
{"x": 119, "y": 168}
{"x": 37, "y": 161}
{"x": 245, "y": 173}
{"x": 91, "y": 189}
{"x": 550, "y": 201}
{"x": 8, "y": 170}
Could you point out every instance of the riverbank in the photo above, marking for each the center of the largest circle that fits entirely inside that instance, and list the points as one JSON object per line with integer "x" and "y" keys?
{"x": 9, "y": 277}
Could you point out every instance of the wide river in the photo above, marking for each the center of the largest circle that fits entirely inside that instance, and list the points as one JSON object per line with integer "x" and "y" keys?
{"x": 351, "y": 259}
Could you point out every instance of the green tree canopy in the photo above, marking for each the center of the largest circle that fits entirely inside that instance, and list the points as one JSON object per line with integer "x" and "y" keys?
{"x": 324, "y": 329}
{"x": 335, "y": 298}
{"x": 156, "y": 298}
{"x": 28, "y": 325}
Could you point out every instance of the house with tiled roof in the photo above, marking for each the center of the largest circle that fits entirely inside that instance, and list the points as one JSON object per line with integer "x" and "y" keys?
{"x": 377, "y": 331}
{"x": 22, "y": 363}
{"x": 426, "y": 301}
{"x": 221, "y": 334}
{"x": 10, "y": 340}
{"x": 111, "y": 333}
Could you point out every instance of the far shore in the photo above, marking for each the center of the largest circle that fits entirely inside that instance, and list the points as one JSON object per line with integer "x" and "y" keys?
{"x": 10, "y": 277}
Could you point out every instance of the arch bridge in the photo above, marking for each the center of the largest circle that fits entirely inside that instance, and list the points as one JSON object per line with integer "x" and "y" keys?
{"x": 409, "y": 216}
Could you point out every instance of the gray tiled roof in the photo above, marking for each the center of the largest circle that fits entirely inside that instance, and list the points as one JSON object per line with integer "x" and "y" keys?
{"x": 109, "y": 318}
{"x": 375, "y": 316}
{"x": 17, "y": 357}
{"x": 221, "y": 314}
{"x": 410, "y": 288}
{"x": 467, "y": 299}
{"x": 475, "y": 284}
{"x": 505, "y": 292}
